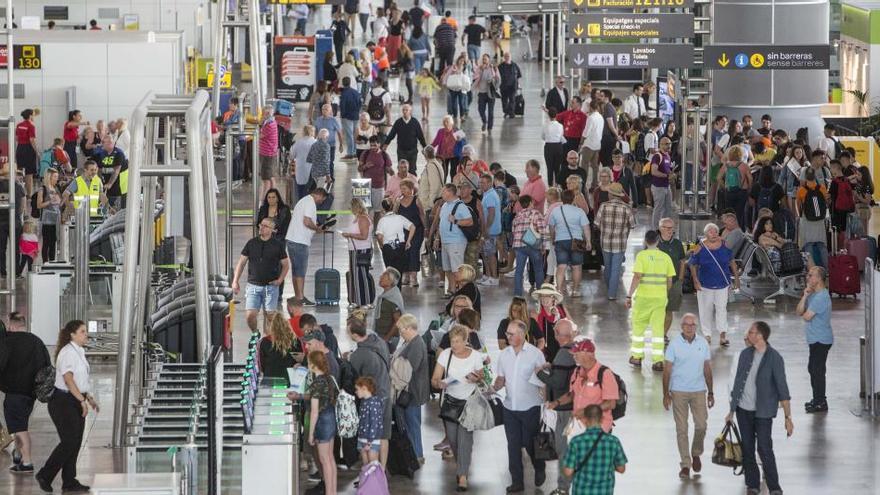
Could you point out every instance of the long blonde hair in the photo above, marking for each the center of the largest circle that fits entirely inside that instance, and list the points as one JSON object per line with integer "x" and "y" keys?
{"x": 281, "y": 333}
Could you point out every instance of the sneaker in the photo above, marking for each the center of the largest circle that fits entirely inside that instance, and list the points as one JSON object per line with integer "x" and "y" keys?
{"x": 486, "y": 281}
{"x": 685, "y": 473}
{"x": 817, "y": 407}
{"x": 315, "y": 477}
{"x": 441, "y": 446}
{"x": 45, "y": 485}
{"x": 16, "y": 456}
{"x": 77, "y": 488}
{"x": 696, "y": 464}
{"x": 658, "y": 366}
{"x": 21, "y": 468}
{"x": 494, "y": 282}
{"x": 306, "y": 302}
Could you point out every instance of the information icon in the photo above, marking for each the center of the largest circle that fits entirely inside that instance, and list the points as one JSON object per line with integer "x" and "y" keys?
{"x": 741, "y": 60}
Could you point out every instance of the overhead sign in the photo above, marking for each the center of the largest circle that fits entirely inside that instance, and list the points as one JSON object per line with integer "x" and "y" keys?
{"x": 307, "y": 2}
{"x": 767, "y": 57}
{"x": 295, "y": 67}
{"x": 630, "y": 56}
{"x": 610, "y": 26}
{"x": 205, "y": 73}
{"x": 25, "y": 57}
{"x": 631, "y": 4}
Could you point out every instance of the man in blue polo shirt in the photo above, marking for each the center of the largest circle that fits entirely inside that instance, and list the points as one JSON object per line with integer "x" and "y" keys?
{"x": 451, "y": 240}
{"x": 491, "y": 229}
{"x": 815, "y": 308}
{"x": 687, "y": 375}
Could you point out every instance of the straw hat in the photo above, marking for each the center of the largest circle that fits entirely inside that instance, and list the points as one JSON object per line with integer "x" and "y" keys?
{"x": 615, "y": 189}
{"x": 548, "y": 290}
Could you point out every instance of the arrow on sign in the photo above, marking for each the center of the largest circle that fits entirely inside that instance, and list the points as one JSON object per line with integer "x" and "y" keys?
{"x": 579, "y": 59}
{"x": 723, "y": 61}
{"x": 578, "y": 2}
{"x": 578, "y": 30}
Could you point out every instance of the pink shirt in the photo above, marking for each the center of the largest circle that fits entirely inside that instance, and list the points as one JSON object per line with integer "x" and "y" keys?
{"x": 586, "y": 391}
{"x": 269, "y": 138}
{"x": 392, "y": 187}
{"x": 536, "y": 189}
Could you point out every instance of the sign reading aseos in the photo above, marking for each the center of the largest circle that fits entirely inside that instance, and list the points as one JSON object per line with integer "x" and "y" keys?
{"x": 631, "y": 4}
{"x": 773, "y": 57}
{"x": 612, "y": 26}
{"x": 626, "y": 56}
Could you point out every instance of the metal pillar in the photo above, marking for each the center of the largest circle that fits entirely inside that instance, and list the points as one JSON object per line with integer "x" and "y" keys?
{"x": 11, "y": 262}
{"x": 81, "y": 262}
{"x": 220, "y": 49}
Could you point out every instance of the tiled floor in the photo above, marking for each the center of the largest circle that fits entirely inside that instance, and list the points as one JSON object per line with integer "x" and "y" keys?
{"x": 833, "y": 453}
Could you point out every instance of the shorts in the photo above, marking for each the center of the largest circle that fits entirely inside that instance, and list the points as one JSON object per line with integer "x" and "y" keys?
{"x": 490, "y": 246}
{"x": 713, "y": 172}
{"x": 26, "y": 159}
{"x": 472, "y": 253}
{"x": 299, "y": 259}
{"x": 375, "y": 445}
{"x": 565, "y": 255}
{"x": 453, "y": 256}
{"x": 259, "y": 297}
{"x": 673, "y": 297}
{"x": 17, "y": 411}
{"x": 377, "y": 194}
{"x": 325, "y": 427}
{"x": 268, "y": 167}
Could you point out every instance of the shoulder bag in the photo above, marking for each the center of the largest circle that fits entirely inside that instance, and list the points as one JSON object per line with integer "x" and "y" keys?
{"x": 728, "y": 452}
{"x": 577, "y": 245}
{"x": 723, "y": 273}
{"x": 450, "y": 407}
{"x": 545, "y": 444}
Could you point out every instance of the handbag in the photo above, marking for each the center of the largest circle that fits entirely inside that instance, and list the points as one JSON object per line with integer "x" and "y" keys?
{"x": 545, "y": 444}
{"x": 497, "y": 409}
{"x": 577, "y": 245}
{"x": 728, "y": 452}
{"x": 493, "y": 91}
{"x": 477, "y": 414}
{"x": 404, "y": 398}
{"x": 364, "y": 257}
{"x": 531, "y": 238}
{"x": 450, "y": 407}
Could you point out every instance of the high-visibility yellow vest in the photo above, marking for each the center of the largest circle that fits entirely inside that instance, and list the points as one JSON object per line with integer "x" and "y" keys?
{"x": 123, "y": 182}
{"x": 91, "y": 191}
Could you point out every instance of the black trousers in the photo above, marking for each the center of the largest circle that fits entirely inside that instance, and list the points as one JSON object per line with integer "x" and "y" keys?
{"x": 554, "y": 157}
{"x": 4, "y": 240}
{"x": 445, "y": 54}
{"x": 411, "y": 157}
{"x": 520, "y": 428}
{"x": 50, "y": 242}
{"x": 609, "y": 143}
{"x": 508, "y": 98}
{"x": 816, "y": 367}
{"x": 394, "y": 256}
{"x": 66, "y": 413}
{"x": 449, "y": 165}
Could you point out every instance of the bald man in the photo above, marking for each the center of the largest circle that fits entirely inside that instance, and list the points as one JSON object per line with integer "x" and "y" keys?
{"x": 572, "y": 167}
{"x": 687, "y": 385}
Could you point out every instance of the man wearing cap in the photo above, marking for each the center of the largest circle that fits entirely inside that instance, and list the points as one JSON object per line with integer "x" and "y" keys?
{"x": 557, "y": 376}
{"x": 652, "y": 279}
{"x": 687, "y": 375}
{"x": 316, "y": 341}
{"x": 517, "y": 365}
{"x": 591, "y": 384}
{"x": 614, "y": 220}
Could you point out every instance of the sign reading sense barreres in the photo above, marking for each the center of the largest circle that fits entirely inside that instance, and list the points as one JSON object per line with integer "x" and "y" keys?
{"x": 775, "y": 57}
{"x": 631, "y": 4}
{"x": 610, "y": 26}
{"x": 626, "y": 56}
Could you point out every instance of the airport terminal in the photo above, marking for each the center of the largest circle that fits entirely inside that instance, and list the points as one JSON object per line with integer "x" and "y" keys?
{"x": 439, "y": 246}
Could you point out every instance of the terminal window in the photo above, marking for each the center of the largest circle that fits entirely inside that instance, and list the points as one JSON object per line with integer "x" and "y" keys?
{"x": 55, "y": 13}
{"x": 108, "y": 13}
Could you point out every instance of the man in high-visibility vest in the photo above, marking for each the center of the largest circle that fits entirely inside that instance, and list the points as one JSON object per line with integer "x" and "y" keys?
{"x": 87, "y": 187}
{"x": 652, "y": 278}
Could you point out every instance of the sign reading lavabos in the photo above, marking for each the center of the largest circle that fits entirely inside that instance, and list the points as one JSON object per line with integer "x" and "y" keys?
{"x": 630, "y": 56}
{"x": 610, "y": 25}
{"x": 772, "y": 57}
{"x": 631, "y": 4}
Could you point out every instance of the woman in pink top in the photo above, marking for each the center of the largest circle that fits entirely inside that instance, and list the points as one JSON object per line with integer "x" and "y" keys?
{"x": 392, "y": 187}
{"x": 444, "y": 146}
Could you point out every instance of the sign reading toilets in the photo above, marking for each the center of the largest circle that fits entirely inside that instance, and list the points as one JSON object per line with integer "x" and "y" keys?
{"x": 294, "y": 67}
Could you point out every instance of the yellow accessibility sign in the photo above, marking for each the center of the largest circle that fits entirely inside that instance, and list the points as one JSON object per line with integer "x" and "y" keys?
{"x": 757, "y": 60}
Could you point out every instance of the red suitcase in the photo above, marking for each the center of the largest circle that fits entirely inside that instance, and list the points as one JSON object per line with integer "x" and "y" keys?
{"x": 860, "y": 248}
{"x": 843, "y": 274}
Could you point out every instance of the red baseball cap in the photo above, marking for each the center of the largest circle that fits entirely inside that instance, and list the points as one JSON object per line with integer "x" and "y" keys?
{"x": 585, "y": 345}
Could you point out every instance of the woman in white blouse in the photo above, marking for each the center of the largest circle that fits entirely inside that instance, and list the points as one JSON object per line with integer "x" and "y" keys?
{"x": 554, "y": 146}
{"x": 395, "y": 234}
{"x": 457, "y": 372}
{"x": 68, "y": 407}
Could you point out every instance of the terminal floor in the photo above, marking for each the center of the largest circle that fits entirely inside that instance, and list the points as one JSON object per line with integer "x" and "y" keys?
{"x": 833, "y": 453}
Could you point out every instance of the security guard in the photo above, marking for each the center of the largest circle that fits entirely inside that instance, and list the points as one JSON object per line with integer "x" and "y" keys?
{"x": 87, "y": 187}
{"x": 652, "y": 278}
{"x": 114, "y": 171}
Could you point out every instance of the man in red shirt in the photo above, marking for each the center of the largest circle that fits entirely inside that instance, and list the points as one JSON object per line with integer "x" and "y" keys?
{"x": 295, "y": 309}
{"x": 573, "y": 121}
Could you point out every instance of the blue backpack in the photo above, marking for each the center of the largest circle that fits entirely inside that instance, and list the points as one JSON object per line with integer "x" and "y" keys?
{"x": 459, "y": 146}
{"x": 47, "y": 160}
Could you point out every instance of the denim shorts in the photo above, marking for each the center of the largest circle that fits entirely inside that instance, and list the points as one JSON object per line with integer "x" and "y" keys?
{"x": 565, "y": 256}
{"x": 325, "y": 427}
{"x": 299, "y": 258}
{"x": 375, "y": 445}
{"x": 490, "y": 246}
{"x": 259, "y": 297}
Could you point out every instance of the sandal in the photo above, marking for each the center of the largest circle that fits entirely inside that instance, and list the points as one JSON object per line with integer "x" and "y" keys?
{"x": 635, "y": 362}
{"x": 658, "y": 366}
{"x": 724, "y": 343}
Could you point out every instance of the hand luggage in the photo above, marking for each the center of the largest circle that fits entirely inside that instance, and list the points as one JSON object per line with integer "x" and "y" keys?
{"x": 861, "y": 249}
{"x": 791, "y": 259}
{"x": 401, "y": 456}
{"x": 327, "y": 280}
{"x": 843, "y": 271}
{"x": 519, "y": 104}
{"x": 593, "y": 259}
{"x": 372, "y": 480}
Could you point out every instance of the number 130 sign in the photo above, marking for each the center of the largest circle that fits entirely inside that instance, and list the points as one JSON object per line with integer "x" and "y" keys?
{"x": 25, "y": 57}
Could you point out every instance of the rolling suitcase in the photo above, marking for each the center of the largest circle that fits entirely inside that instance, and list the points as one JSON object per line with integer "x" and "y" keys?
{"x": 593, "y": 260}
{"x": 843, "y": 271}
{"x": 861, "y": 249}
{"x": 519, "y": 104}
{"x": 402, "y": 458}
{"x": 326, "y": 279}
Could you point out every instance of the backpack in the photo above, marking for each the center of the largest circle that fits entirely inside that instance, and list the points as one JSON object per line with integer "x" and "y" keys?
{"x": 375, "y": 107}
{"x": 732, "y": 178}
{"x": 472, "y": 231}
{"x": 458, "y": 149}
{"x": 843, "y": 201}
{"x": 346, "y": 414}
{"x": 47, "y": 160}
{"x": 640, "y": 152}
{"x": 838, "y": 147}
{"x": 44, "y": 380}
{"x": 814, "y": 205}
{"x": 765, "y": 197}
{"x": 619, "y": 410}
{"x": 347, "y": 376}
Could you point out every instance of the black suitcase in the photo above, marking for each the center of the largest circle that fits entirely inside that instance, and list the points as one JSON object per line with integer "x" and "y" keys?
{"x": 519, "y": 104}
{"x": 327, "y": 281}
{"x": 360, "y": 292}
{"x": 593, "y": 260}
{"x": 401, "y": 456}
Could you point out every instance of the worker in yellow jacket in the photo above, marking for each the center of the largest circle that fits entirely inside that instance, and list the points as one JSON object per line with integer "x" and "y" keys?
{"x": 647, "y": 296}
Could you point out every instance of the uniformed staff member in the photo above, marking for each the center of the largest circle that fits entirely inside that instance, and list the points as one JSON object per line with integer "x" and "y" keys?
{"x": 87, "y": 187}
{"x": 652, "y": 278}
{"x": 114, "y": 171}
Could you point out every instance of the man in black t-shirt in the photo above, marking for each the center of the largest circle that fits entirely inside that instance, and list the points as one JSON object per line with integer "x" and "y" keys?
{"x": 416, "y": 14}
{"x": 113, "y": 167}
{"x": 572, "y": 168}
{"x": 267, "y": 261}
{"x": 472, "y": 37}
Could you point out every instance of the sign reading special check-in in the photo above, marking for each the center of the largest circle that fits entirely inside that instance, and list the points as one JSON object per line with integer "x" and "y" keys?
{"x": 631, "y": 4}
{"x": 772, "y": 57}
{"x": 630, "y": 56}
{"x": 613, "y": 26}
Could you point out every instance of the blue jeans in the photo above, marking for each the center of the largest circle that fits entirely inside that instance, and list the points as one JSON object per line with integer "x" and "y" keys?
{"x": 456, "y": 103}
{"x": 520, "y": 428}
{"x": 413, "y": 417}
{"x": 819, "y": 252}
{"x": 534, "y": 257}
{"x": 259, "y": 297}
{"x": 486, "y": 107}
{"x": 419, "y": 60}
{"x": 612, "y": 272}
{"x": 757, "y": 431}
{"x": 473, "y": 52}
{"x": 348, "y": 132}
